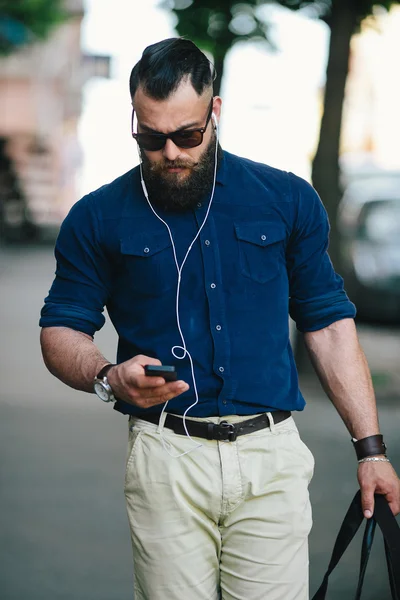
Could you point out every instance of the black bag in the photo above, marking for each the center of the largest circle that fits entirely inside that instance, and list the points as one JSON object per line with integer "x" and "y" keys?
{"x": 391, "y": 534}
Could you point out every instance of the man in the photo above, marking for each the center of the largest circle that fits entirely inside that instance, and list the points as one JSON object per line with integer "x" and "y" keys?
{"x": 199, "y": 255}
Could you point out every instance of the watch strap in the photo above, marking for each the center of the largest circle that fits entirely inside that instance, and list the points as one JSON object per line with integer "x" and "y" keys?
{"x": 104, "y": 370}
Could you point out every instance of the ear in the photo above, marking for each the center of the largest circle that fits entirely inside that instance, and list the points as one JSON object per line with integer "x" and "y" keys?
{"x": 216, "y": 114}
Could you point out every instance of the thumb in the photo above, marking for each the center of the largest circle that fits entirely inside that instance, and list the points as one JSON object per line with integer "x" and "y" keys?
{"x": 367, "y": 503}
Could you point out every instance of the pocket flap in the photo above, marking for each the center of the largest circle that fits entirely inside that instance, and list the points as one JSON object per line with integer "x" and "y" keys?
{"x": 261, "y": 233}
{"x": 145, "y": 244}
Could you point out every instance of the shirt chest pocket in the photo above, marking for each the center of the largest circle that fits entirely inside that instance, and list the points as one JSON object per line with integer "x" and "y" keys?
{"x": 261, "y": 249}
{"x": 148, "y": 263}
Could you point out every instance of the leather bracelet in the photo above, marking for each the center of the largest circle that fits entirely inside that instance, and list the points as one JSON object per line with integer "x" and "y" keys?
{"x": 369, "y": 446}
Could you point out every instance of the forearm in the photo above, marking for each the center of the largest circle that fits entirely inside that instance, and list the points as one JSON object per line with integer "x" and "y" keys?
{"x": 342, "y": 368}
{"x": 71, "y": 356}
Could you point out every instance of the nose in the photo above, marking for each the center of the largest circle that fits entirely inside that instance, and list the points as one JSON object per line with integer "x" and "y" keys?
{"x": 171, "y": 151}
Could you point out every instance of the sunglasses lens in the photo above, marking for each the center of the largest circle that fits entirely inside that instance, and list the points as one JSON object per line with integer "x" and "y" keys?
{"x": 187, "y": 139}
{"x": 150, "y": 142}
{"x": 184, "y": 139}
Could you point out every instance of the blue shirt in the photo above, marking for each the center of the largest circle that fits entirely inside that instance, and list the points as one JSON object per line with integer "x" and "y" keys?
{"x": 261, "y": 254}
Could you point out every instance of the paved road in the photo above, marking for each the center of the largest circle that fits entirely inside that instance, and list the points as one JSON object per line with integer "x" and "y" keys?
{"x": 63, "y": 529}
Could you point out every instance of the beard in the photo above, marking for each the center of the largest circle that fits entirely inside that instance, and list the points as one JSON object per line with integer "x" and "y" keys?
{"x": 173, "y": 193}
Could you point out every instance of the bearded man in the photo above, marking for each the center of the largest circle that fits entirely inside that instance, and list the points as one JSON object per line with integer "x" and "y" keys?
{"x": 200, "y": 256}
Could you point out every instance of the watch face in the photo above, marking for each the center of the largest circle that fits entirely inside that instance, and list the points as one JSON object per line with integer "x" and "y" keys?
{"x": 101, "y": 391}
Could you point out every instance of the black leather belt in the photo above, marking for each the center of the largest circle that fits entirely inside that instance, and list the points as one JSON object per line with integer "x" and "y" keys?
{"x": 223, "y": 431}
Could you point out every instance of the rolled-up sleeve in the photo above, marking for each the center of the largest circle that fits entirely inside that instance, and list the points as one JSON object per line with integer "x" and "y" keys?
{"x": 317, "y": 296}
{"x": 81, "y": 287}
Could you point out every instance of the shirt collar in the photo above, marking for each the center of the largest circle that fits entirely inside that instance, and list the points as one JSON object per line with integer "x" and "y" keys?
{"x": 222, "y": 169}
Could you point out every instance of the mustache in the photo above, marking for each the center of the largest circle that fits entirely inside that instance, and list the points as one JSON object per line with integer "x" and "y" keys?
{"x": 164, "y": 165}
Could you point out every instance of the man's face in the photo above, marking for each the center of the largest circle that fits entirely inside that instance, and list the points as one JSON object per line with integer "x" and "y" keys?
{"x": 176, "y": 177}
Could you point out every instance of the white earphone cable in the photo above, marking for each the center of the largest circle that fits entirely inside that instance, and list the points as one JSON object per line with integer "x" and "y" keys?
{"x": 179, "y": 269}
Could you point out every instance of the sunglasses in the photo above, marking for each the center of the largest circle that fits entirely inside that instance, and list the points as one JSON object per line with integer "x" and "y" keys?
{"x": 183, "y": 138}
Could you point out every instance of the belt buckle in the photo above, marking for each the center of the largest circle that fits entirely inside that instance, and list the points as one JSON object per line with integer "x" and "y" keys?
{"x": 230, "y": 429}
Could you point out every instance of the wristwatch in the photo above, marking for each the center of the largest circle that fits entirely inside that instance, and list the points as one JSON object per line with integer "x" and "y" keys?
{"x": 101, "y": 386}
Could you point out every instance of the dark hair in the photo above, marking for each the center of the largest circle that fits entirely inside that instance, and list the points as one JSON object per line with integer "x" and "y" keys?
{"x": 163, "y": 66}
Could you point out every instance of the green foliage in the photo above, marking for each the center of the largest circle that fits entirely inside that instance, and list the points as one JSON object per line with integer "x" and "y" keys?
{"x": 322, "y": 8}
{"x": 26, "y": 21}
{"x": 216, "y": 26}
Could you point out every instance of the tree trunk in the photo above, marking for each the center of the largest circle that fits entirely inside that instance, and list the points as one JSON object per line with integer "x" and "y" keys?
{"x": 325, "y": 170}
{"x": 219, "y": 69}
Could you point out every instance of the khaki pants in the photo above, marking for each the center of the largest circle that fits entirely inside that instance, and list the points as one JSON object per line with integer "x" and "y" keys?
{"x": 228, "y": 520}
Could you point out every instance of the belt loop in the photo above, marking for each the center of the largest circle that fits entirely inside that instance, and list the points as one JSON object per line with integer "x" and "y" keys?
{"x": 161, "y": 422}
{"x": 271, "y": 422}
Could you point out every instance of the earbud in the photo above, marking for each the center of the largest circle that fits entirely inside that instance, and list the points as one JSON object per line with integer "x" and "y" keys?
{"x": 214, "y": 120}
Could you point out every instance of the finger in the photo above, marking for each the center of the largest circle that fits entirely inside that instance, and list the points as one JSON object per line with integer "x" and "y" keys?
{"x": 394, "y": 507}
{"x": 144, "y": 381}
{"x": 367, "y": 502}
{"x": 146, "y": 360}
{"x": 394, "y": 502}
{"x": 160, "y": 395}
{"x": 166, "y": 389}
{"x": 171, "y": 389}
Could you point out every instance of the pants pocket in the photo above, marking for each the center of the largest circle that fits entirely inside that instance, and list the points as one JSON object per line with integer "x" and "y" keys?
{"x": 305, "y": 453}
{"x": 134, "y": 435}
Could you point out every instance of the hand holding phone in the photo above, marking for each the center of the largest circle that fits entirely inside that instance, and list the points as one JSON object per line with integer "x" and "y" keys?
{"x": 167, "y": 372}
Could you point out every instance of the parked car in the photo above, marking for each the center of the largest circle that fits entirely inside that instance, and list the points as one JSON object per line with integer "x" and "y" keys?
{"x": 369, "y": 224}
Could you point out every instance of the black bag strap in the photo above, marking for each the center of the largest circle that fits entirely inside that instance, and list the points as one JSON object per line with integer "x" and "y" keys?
{"x": 366, "y": 548}
{"x": 348, "y": 529}
{"x": 391, "y": 533}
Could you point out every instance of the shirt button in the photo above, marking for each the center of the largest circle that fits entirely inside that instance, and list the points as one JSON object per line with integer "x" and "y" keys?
{"x": 263, "y": 237}
{"x": 213, "y": 286}
{"x": 207, "y": 242}
{"x": 146, "y": 250}
{"x": 199, "y": 205}
{"x": 218, "y": 327}
{"x": 224, "y": 401}
{"x": 221, "y": 369}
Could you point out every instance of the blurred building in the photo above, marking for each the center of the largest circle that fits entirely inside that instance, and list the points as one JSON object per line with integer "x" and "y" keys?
{"x": 40, "y": 104}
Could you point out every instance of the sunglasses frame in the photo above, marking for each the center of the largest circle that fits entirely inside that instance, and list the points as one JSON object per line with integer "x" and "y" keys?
{"x": 163, "y": 137}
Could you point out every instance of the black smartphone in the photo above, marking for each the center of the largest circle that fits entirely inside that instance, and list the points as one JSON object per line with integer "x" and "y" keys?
{"x": 169, "y": 373}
